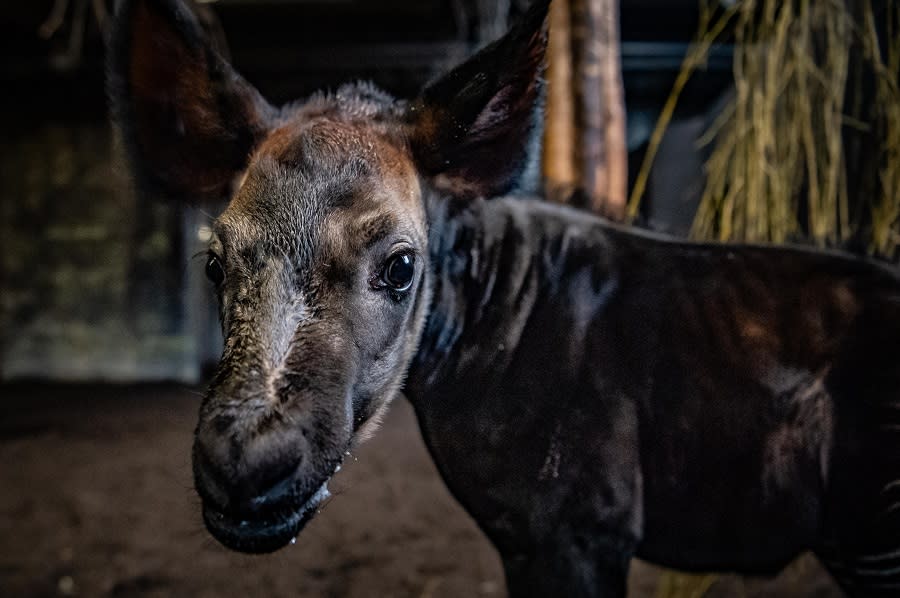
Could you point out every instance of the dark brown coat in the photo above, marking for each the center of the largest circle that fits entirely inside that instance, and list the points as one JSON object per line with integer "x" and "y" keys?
{"x": 589, "y": 393}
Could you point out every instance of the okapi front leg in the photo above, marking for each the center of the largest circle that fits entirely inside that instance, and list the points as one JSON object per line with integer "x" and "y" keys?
{"x": 573, "y": 565}
{"x": 586, "y": 524}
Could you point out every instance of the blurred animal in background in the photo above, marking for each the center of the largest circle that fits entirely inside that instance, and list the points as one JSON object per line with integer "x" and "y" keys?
{"x": 588, "y": 392}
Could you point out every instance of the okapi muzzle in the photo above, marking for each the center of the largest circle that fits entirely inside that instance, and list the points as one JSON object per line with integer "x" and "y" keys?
{"x": 274, "y": 425}
{"x": 589, "y": 393}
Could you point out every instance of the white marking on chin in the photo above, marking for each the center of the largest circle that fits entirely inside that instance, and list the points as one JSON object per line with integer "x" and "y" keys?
{"x": 368, "y": 429}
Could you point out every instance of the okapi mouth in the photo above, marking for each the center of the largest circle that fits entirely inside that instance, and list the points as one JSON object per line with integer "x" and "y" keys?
{"x": 266, "y": 532}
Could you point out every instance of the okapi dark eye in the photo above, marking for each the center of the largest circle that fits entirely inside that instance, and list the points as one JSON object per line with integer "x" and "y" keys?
{"x": 214, "y": 270}
{"x": 399, "y": 271}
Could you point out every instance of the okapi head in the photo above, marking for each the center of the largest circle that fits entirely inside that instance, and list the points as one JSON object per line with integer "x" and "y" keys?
{"x": 321, "y": 259}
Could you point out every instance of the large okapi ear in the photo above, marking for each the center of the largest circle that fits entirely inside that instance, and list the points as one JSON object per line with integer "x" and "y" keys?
{"x": 189, "y": 122}
{"x": 476, "y": 130}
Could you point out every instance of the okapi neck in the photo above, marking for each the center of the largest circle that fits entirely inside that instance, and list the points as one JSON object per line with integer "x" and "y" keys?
{"x": 492, "y": 263}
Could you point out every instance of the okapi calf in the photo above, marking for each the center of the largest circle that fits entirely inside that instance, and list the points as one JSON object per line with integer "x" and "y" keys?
{"x": 589, "y": 392}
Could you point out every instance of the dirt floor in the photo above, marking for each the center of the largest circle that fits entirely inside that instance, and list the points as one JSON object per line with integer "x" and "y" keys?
{"x": 96, "y": 500}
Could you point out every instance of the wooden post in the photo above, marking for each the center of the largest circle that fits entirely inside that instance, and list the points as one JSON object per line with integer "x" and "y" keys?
{"x": 560, "y": 170}
{"x": 600, "y": 150}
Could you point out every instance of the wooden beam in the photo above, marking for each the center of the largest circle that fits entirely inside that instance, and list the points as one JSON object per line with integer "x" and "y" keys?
{"x": 601, "y": 153}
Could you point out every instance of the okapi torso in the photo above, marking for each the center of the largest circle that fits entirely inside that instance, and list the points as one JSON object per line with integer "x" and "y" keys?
{"x": 589, "y": 393}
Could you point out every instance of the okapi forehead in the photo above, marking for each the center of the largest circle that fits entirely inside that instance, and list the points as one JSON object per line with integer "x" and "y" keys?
{"x": 359, "y": 126}
{"x": 355, "y": 101}
{"x": 354, "y": 110}
{"x": 328, "y": 172}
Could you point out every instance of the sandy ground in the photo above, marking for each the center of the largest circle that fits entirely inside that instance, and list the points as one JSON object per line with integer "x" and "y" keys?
{"x": 96, "y": 500}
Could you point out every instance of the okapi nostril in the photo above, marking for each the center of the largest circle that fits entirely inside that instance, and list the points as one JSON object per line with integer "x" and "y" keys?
{"x": 209, "y": 481}
{"x": 247, "y": 493}
{"x": 223, "y": 423}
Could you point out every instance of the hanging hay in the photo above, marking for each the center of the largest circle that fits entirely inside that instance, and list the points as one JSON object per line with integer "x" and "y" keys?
{"x": 783, "y": 131}
{"x": 886, "y": 65}
{"x": 778, "y": 169}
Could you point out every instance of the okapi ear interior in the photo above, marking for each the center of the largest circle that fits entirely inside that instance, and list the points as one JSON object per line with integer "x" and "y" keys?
{"x": 189, "y": 122}
{"x": 476, "y": 130}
